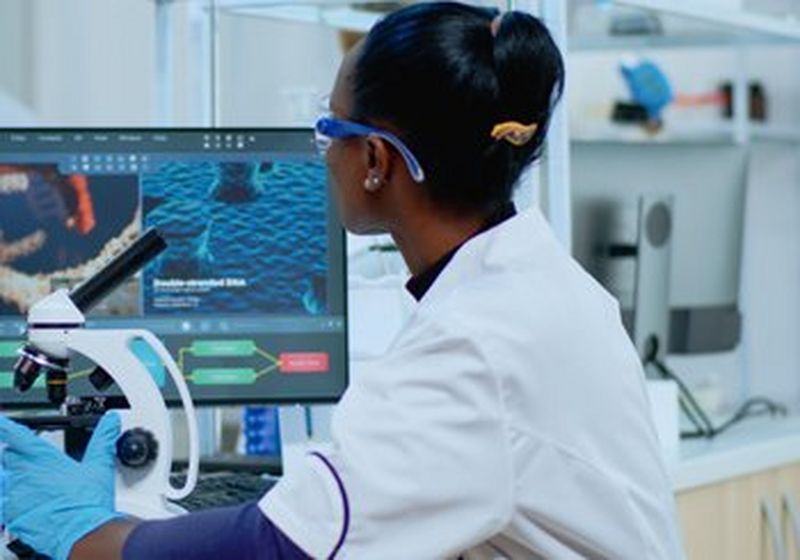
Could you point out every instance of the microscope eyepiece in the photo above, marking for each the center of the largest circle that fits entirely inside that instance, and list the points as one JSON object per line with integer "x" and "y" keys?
{"x": 123, "y": 266}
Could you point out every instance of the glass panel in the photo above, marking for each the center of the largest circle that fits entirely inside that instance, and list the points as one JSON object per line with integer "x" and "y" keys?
{"x": 354, "y": 15}
{"x": 277, "y": 59}
{"x": 78, "y": 63}
{"x": 273, "y": 72}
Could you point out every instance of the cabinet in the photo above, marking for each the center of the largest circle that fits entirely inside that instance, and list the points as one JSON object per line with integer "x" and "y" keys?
{"x": 750, "y": 517}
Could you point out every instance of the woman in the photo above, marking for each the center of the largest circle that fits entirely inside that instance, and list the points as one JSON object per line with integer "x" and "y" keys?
{"x": 508, "y": 418}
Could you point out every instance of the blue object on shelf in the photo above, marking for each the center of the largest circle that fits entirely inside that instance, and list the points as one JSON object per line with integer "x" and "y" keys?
{"x": 649, "y": 86}
{"x": 261, "y": 430}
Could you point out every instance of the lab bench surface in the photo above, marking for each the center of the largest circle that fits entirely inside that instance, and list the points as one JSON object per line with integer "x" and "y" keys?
{"x": 752, "y": 446}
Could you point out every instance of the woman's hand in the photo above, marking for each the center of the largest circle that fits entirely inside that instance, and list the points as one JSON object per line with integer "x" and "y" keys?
{"x": 50, "y": 500}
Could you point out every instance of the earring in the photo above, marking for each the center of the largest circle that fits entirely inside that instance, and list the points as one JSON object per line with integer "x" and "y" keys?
{"x": 372, "y": 183}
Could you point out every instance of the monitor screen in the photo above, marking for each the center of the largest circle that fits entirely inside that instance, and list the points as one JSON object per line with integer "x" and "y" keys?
{"x": 248, "y": 297}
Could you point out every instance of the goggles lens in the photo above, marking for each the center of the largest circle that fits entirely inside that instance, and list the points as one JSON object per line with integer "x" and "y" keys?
{"x": 329, "y": 128}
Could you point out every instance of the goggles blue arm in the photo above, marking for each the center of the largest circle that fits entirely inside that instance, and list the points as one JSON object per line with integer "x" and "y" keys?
{"x": 331, "y": 127}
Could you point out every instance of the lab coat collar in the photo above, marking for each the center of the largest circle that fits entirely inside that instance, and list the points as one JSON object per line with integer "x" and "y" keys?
{"x": 516, "y": 241}
{"x": 419, "y": 285}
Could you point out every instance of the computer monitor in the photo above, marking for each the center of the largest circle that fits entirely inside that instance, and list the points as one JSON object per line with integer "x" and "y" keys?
{"x": 706, "y": 183}
{"x": 250, "y": 295}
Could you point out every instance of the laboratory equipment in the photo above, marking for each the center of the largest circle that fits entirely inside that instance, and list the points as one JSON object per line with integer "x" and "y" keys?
{"x": 706, "y": 183}
{"x": 250, "y": 296}
{"x": 56, "y": 331}
{"x": 651, "y": 93}
{"x": 261, "y": 431}
{"x": 648, "y": 85}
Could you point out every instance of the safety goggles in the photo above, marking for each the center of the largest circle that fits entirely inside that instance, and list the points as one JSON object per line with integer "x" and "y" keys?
{"x": 329, "y": 128}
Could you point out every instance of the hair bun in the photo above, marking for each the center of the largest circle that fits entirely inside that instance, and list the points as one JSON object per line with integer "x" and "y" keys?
{"x": 438, "y": 75}
{"x": 529, "y": 69}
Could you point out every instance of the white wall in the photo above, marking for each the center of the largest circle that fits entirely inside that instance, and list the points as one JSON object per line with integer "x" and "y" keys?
{"x": 92, "y": 62}
{"x": 15, "y": 43}
{"x": 15, "y": 70}
{"x": 274, "y": 73}
{"x": 771, "y": 275}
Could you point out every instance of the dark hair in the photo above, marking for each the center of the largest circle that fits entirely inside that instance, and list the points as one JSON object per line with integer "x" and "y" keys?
{"x": 436, "y": 73}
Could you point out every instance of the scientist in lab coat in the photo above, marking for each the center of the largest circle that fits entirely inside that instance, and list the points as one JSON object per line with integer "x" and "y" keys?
{"x": 508, "y": 420}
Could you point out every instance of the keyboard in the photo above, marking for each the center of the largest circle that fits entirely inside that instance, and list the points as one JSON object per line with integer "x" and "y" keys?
{"x": 222, "y": 489}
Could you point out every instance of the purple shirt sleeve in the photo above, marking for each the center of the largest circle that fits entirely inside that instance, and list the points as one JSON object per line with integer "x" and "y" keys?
{"x": 241, "y": 532}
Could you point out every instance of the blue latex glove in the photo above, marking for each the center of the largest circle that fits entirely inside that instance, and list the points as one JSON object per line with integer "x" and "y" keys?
{"x": 50, "y": 500}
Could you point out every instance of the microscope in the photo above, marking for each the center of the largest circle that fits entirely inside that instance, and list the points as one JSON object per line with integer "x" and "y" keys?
{"x": 56, "y": 330}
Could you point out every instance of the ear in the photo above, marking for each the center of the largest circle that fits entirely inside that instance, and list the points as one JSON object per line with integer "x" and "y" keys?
{"x": 379, "y": 159}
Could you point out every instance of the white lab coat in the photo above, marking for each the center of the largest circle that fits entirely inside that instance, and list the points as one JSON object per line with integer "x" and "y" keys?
{"x": 507, "y": 420}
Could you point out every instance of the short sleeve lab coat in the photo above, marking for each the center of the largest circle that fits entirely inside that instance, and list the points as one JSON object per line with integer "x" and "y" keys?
{"x": 508, "y": 419}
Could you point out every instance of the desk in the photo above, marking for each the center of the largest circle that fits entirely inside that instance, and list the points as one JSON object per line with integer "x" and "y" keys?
{"x": 724, "y": 485}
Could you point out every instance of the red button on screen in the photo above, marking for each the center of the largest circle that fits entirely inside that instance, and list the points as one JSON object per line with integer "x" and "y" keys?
{"x": 304, "y": 362}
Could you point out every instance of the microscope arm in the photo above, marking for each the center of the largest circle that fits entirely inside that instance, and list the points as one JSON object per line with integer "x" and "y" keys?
{"x": 188, "y": 408}
{"x": 111, "y": 350}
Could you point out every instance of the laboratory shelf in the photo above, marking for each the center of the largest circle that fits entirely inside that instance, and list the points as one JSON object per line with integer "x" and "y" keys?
{"x": 717, "y": 13}
{"x": 350, "y": 15}
{"x": 776, "y": 133}
{"x": 708, "y": 133}
{"x": 687, "y": 23}
{"x": 617, "y": 134}
{"x": 712, "y": 38}
{"x": 679, "y": 23}
{"x": 675, "y": 24}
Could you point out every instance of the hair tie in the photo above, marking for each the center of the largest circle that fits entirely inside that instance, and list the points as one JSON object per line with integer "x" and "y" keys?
{"x": 514, "y": 133}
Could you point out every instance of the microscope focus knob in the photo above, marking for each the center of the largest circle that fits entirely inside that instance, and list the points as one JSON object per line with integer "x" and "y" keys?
{"x": 137, "y": 448}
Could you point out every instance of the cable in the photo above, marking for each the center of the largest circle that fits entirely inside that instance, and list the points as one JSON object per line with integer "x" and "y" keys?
{"x": 746, "y": 410}
{"x": 689, "y": 405}
{"x": 754, "y": 406}
{"x": 699, "y": 429}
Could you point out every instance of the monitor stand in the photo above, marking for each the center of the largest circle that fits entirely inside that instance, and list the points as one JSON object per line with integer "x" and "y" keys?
{"x": 651, "y": 312}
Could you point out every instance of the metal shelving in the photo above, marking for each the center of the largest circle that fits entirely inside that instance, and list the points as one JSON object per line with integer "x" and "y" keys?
{"x": 676, "y": 24}
{"x": 724, "y": 132}
{"x": 350, "y": 15}
{"x": 670, "y": 24}
{"x": 748, "y": 23}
